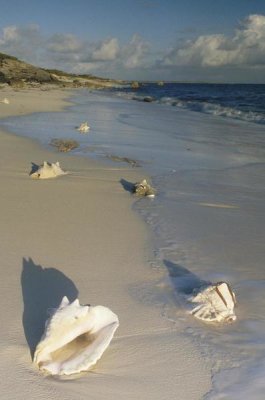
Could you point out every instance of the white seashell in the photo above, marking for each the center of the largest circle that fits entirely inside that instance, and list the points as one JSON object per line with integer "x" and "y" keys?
{"x": 5, "y": 101}
{"x": 47, "y": 171}
{"x": 144, "y": 189}
{"x": 215, "y": 303}
{"x": 75, "y": 338}
{"x": 83, "y": 127}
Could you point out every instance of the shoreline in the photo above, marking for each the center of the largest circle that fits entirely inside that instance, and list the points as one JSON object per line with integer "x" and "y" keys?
{"x": 79, "y": 233}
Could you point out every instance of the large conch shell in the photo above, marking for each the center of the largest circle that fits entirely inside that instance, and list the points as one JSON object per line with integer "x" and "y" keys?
{"x": 47, "y": 171}
{"x": 75, "y": 338}
{"x": 83, "y": 128}
{"x": 215, "y": 303}
{"x": 144, "y": 189}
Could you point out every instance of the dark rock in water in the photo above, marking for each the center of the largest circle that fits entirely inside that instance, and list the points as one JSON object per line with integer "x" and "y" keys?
{"x": 64, "y": 145}
{"x": 149, "y": 99}
{"x": 144, "y": 189}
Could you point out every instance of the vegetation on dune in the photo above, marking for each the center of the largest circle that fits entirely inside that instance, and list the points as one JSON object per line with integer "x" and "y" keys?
{"x": 20, "y": 74}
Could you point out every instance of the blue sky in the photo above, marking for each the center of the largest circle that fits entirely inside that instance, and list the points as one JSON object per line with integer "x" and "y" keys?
{"x": 192, "y": 40}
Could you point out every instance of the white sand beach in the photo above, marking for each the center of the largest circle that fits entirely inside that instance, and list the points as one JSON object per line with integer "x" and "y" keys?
{"x": 77, "y": 235}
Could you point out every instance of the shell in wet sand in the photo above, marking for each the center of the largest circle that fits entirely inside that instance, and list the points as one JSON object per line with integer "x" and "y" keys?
{"x": 83, "y": 128}
{"x": 144, "y": 189}
{"x": 215, "y": 303}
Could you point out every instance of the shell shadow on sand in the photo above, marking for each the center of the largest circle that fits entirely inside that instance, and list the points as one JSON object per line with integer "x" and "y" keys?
{"x": 42, "y": 290}
{"x": 34, "y": 168}
{"x": 183, "y": 281}
{"x": 128, "y": 186}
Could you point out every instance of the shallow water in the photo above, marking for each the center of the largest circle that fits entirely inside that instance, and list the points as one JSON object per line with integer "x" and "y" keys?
{"x": 208, "y": 216}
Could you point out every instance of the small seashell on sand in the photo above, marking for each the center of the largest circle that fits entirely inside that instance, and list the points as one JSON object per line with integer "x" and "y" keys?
{"x": 83, "y": 128}
{"x": 144, "y": 189}
{"x": 5, "y": 101}
{"x": 47, "y": 171}
{"x": 215, "y": 303}
{"x": 75, "y": 338}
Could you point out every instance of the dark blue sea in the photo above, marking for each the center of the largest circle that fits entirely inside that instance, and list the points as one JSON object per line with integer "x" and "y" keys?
{"x": 240, "y": 101}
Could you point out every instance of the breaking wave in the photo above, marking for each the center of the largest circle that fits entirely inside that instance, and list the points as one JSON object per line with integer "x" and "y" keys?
{"x": 217, "y": 109}
{"x": 205, "y": 107}
{"x": 235, "y": 101}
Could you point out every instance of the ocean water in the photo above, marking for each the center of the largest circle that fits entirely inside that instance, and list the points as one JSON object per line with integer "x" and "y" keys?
{"x": 204, "y": 148}
{"x": 238, "y": 101}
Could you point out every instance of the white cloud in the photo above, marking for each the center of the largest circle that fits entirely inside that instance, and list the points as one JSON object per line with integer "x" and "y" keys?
{"x": 245, "y": 48}
{"x": 13, "y": 34}
{"x": 107, "y": 50}
{"x": 10, "y": 34}
{"x": 22, "y": 41}
{"x": 64, "y": 43}
{"x": 133, "y": 54}
{"x": 105, "y": 57}
{"x": 217, "y": 57}
{"x": 69, "y": 52}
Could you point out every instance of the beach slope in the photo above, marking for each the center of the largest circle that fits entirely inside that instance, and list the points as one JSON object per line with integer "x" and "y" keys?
{"x": 77, "y": 235}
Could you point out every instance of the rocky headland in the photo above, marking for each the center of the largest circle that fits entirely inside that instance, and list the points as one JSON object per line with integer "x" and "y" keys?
{"x": 20, "y": 74}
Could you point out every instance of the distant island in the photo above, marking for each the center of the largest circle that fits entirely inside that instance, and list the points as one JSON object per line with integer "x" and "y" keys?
{"x": 19, "y": 74}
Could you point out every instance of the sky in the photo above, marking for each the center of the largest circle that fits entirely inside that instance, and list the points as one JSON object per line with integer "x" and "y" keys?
{"x": 171, "y": 40}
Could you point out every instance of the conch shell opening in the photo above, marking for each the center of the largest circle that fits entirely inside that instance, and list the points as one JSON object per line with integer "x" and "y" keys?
{"x": 75, "y": 338}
